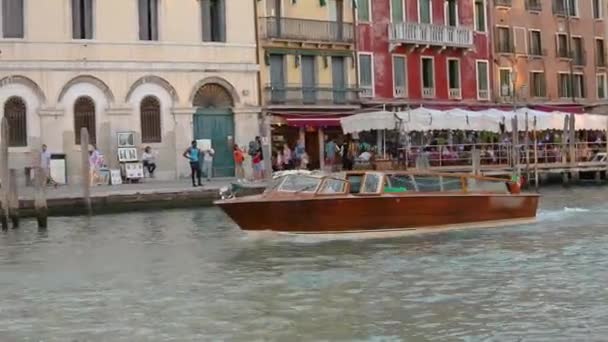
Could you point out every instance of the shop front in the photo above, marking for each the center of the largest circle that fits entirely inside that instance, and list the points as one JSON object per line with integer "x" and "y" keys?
{"x": 311, "y": 131}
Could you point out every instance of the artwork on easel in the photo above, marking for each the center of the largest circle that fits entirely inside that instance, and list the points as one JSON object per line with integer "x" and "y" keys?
{"x": 115, "y": 177}
{"x": 126, "y": 139}
{"x": 103, "y": 177}
{"x": 134, "y": 170}
{"x": 127, "y": 154}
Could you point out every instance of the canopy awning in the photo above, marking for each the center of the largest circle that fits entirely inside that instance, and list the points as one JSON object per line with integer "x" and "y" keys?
{"x": 369, "y": 121}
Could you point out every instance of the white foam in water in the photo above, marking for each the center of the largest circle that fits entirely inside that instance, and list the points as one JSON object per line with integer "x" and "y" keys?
{"x": 576, "y": 210}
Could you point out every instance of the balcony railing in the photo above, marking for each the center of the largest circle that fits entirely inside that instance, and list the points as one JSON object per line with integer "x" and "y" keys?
{"x": 536, "y": 51}
{"x": 560, "y": 8}
{"x": 318, "y": 95}
{"x": 429, "y": 34}
{"x": 455, "y": 93}
{"x": 400, "y": 91}
{"x": 503, "y": 3}
{"x": 534, "y": 5}
{"x": 600, "y": 60}
{"x": 307, "y": 30}
{"x": 428, "y": 93}
{"x": 503, "y": 46}
{"x": 579, "y": 58}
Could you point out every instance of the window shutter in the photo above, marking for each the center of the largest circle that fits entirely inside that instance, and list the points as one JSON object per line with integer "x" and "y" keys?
{"x": 221, "y": 20}
{"x": 144, "y": 28}
{"x": 153, "y": 19}
{"x": 206, "y": 19}
{"x": 88, "y": 19}
{"x": 12, "y": 18}
{"x": 76, "y": 32}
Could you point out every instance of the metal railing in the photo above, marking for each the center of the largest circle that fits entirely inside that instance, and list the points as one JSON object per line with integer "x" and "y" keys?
{"x": 428, "y": 93}
{"x": 429, "y": 34}
{"x": 537, "y": 51}
{"x": 505, "y": 46}
{"x": 501, "y": 154}
{"x": 579, "y": 58}
{"x": 534, "y": 5}
{"x": 308, "y": 30}
{"x": 321, "y": 94}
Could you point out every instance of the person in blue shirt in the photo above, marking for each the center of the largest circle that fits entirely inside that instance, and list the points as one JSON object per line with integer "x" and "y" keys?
{"x": 193, "y": 154}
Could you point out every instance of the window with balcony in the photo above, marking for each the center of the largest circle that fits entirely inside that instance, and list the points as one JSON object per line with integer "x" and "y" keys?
{"x": 451, "y": 13}
{"x": 536, "y": 47}
{"x": 579, "y": 86}
{"x": 598, "y": 9}
{"x": 564, "y": 89}
{"x": 454, "y": 88}
{"x": 82, "y": 19}
{"x": 578, "y": 52}
{"x": 397, "y": 11}
{"x": 148, "y": 19}
{"x": 483, "y": 80}
{"x": 600, "y": 53}
{"x": 561, "y": 46}
{"x": 12, "y": 19}
{"x": 276, "y": 63}
{"x": 213, "y": 18}
{"x": 565, "y": 7}
{"x": 364, "y": 11}
{"x": 601, "y": 86}
{"x": 504, "y": 40}
{"x": 538, "y": 84}
{"x": 505, "y": 82}
{"x": 366, "y": 74}
{"x": 399, "y": 76}
{"x": 15, "y": 114}
{"x": 480, "y": 15}
{"x": 534, "y": 5}
{"x": 503, "y": 3}
{"x": 425, "y": 11}
{"x": 428, "y": 77}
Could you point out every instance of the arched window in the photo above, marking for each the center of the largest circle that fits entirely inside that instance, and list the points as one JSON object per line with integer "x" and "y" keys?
{"x": 150, "y": 120}
{"x": 15, "y": 113}
{"x": 84, "y": 116}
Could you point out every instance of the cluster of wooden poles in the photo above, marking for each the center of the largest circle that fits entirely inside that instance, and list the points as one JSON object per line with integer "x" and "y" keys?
{"x": 9, "y": 190}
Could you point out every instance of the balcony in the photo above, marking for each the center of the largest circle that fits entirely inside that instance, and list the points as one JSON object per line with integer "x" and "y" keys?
{"x": 579, "y": 58}
{"x": 428, "y": 93}
{"x": 307, "y": 30}
{"x": 560, "y": 8}
{"x": 505, "y": 46}
{"x": 536, "y": 51}
{"x": 319, "y": 95}
{"x": 455, "y": 93}
{"x": 430, "y": 35}
{"x": 534, "y": 5}
{"x": 503, "y": 3}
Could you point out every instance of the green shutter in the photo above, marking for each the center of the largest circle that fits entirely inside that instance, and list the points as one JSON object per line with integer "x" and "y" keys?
{"x": 323, "y": 2}
{"x": 363, "y": 10}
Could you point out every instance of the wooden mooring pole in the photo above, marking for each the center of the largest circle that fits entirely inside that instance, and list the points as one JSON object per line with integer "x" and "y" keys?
{"x": 40, "y": 180}
{"x": 4, "y": 174}
{"x": 13, "y": 198}
{"x": 564, "y": 149}
{"x": 86, "y": 172}
{"x": 572, "y": 147}
{"x": 535, "y": 140}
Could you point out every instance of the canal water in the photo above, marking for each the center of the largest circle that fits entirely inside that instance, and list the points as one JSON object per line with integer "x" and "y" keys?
{"x": 193, "y": 276}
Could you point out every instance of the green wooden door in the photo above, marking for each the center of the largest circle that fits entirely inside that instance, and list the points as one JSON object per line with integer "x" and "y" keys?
{"x": 217, "y": 125}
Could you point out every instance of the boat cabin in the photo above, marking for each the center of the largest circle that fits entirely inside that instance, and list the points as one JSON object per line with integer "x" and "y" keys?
{"x": 379, "y": 183}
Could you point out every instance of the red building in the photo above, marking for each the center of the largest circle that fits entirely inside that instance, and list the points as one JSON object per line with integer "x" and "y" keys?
{"x": 435, "y": 53}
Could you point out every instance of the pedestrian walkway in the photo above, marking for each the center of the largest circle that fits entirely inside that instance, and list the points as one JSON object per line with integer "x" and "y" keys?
{"x": 147, "y": 187}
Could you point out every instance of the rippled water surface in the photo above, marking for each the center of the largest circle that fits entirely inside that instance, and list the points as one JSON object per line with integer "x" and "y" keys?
{"x": 193, "y": 276}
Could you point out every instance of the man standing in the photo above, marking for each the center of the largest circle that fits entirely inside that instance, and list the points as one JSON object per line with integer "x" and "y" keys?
{"x": 192, "y": 153}
{"x": 330, "y": 154}
{"x": 45, "y": 164}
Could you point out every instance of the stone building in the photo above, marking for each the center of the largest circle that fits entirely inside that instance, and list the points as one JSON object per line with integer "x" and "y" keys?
{"x": 168, "y": 70}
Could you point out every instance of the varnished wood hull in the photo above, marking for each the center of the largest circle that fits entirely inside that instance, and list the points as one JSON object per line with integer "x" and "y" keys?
{"x": 377, "y": 213}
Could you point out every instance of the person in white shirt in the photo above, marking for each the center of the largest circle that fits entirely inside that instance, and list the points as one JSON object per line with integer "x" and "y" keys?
{"x": 45, "y": 164}
{"x": 208, "y": 163}
{"x": 149, "y": 160}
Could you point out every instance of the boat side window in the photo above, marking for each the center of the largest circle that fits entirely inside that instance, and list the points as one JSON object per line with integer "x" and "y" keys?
{"x": 399, "y": 183}
{"x": 355, "y": 183}
{"x": 372, "y": 183}
{"x": 298, "y": 183}
{"x": 486, "y": 186}
{"x": 331, "y": 186}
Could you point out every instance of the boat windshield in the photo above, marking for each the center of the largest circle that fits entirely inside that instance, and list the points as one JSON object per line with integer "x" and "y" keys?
{"x": 372, "y": 183}
{"x": 332, "y": 186}
{"x": 299, "y": 183}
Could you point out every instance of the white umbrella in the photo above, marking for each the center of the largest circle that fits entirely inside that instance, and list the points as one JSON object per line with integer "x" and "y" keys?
{"x": 379, "y": 120}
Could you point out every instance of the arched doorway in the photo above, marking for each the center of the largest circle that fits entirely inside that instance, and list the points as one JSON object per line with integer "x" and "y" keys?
{"x": 214, "y": 121}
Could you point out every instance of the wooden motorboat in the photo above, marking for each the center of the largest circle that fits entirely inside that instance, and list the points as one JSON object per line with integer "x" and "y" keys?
{"x": 380, "y": 201}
